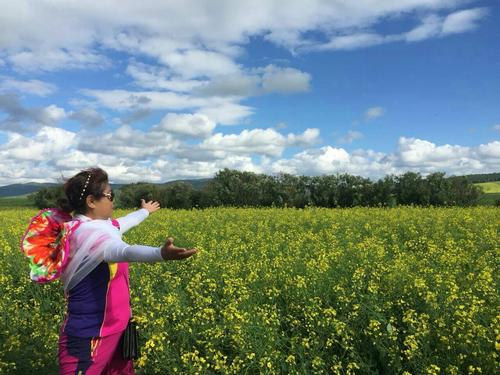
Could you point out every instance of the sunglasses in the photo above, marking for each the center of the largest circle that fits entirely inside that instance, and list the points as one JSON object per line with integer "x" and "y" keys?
{"x": 110, "y": 195}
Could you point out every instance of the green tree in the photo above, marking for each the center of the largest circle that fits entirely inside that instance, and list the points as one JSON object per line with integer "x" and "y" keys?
{"x": 130, "y": 195}
{"x": 412, "y": 189}
{"x": 177, "y": 195}
{"x": 384, "y": 191}
{"x": 463, "y": 192}
{"x": 439, "y": 189}
{"x": 47, "y": 197}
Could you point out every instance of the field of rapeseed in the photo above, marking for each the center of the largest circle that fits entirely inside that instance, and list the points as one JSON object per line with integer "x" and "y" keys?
{"x": 284, "y": 291}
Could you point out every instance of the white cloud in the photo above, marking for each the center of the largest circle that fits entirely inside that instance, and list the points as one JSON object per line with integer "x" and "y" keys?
{"x": 220, "y": 110}
{"x": 185, "y": 168}
{"x": 284, "y": 80}
{"x": 463, "y": 20}
{"x": 435, "y": 26}
{"x": 217, "y": 98}
{"x": 199, "y": 63}
{"x": 123, "y": 99}
{"x": 23, "y": 119}
{"x": 152, "y": 77}
{"x": 190, "y": 125}
{"x": 350, "y": 137}
{"x": 53, "y": 114}
{"x": 241, "y": 83}
{"x": 119, "y": 169}
{"x": 330, "y": 160}
{"x": 415, "y": 152}
{"x": 237, "y": 85}
{"x": 257, "y": 81}
{"x": 490, "y": 150}
{"x": 130, "y": 143}
{"x": 207, "y": 45}
{"x": 411, "y": 155}
{"x": 353, "y": 41}
{"x": 52, "y": 60}
{"x": 263, "y": 141}
{"x": 88, "y": 117}
{"x": 130, "y": 155}
{"x": 309, "y": 137}
{"x": 32, "y": 86}
{"x": 226, "y": 112}
{"x": 312, "y": 162}
{"x": 48, "y": 143}
{"x": 432, "y": 26}
{"x": 374, "y": 112}
{"x": 427, "y": 157}
{"x": 429, "y": 28}
{"x": 260, "y": 141}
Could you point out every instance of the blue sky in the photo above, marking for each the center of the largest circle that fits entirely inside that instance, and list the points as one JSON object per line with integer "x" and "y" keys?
{"x": 162, "y": 91}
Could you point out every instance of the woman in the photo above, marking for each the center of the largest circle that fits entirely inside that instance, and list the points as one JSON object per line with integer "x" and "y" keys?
{"x": 96, "y": 278}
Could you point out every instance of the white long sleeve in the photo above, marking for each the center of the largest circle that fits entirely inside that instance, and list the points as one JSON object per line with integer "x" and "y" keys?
{"x": 132, "y": 219}
{"x": 119, "y": 251}
{"x": 97, "y": 240}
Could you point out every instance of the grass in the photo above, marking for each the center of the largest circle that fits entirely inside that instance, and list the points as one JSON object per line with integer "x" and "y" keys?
{"x": 16, "y": 201}
{"x": 490, "y": 187}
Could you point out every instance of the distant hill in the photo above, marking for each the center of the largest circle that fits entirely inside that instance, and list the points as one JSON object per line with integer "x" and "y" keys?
{"x": 22, "y": 189}
{"x": 16, "y": 190}
{"x": 197, "y": 184}
{"x": 485, "y": 177}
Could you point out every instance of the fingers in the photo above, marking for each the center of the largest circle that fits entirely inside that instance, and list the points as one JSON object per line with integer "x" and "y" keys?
{"x": 177, "y": 253}
{"x": 186, "y": 253}
{"x": 151, "y": 203}
{"x": 178, "y": 250}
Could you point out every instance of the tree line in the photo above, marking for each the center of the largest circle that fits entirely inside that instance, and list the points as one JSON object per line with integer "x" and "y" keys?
{"x": 247, "y": 189}
{"x": 483, "y": 177}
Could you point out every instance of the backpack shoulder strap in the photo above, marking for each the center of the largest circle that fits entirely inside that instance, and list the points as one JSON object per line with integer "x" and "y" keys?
{"x": 115, "y": 223}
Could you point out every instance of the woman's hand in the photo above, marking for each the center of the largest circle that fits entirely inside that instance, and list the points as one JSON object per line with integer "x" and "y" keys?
{"x": 150, "y": 206}
{"x": 171, "y": 252}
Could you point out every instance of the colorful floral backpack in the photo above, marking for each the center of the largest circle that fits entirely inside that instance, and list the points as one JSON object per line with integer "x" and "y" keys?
{"x": 46, "y": 243}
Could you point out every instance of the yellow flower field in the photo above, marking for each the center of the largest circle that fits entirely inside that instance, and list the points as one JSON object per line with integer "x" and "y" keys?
{"x": 407, "y": 290}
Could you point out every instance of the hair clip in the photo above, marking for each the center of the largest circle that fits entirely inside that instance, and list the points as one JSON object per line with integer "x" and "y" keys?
{"x": 85, "y": 187}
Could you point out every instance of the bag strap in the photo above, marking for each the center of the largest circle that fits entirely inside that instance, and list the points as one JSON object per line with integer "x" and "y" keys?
{"x": 116, "y": 223}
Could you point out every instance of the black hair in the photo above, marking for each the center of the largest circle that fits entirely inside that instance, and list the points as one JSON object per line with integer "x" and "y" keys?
{"x": 80, "y": 183}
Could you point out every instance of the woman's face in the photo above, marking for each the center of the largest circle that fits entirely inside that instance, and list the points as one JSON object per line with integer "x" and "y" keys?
{"x": 101, "y": 207}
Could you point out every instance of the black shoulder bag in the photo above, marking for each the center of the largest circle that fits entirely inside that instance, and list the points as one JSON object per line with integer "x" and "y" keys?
{"x": 130, "y": 339}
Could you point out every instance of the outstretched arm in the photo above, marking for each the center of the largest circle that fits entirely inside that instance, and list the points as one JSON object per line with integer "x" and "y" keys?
{"x": 136, "y": 217}
{"x": 120, "y": 251}
{"x": 132, "y": 219}
{"x": 123, "y": 252}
